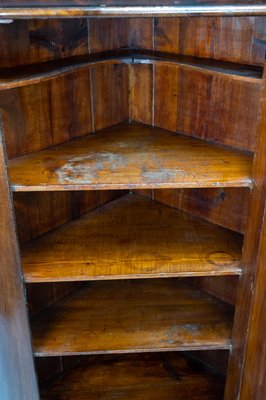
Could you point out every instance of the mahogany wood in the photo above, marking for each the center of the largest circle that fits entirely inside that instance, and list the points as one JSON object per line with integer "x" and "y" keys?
{"x": 136, "y": 377}
{"x": 17, "y": 375}
{"x": 131, "y": 156}
{"x": 224, "y": 206}
{"x": 216, "y": 104}
{"x": 29, "y": 74}
{"x": 237, "y": 39}
{"x": 248, "y": 309}
{"x": 132, "y": 316}
{"x": 132, "y": 237}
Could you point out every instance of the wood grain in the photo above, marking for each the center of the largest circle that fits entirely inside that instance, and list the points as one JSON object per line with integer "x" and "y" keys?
{"x": 36, "y": 73}
{"x": 17, "y": 375}
{"x": 136, "y": 377}
{"x": 52, "y": 112}
{"x": 140, "y": 95}
{"x": 248, "y": 308}
{"x": 224, "y": 287}
{"x": 237, "y": 39}
{"x": 110, "y": 95}
{"x": 132, "y": 237}
{"x": 206, "y": 105}
{"x": 118, "y": 158}
{"x": 35, "y": 41}
{"x": 132, "y": 316}
{"x": 227, "y": 207}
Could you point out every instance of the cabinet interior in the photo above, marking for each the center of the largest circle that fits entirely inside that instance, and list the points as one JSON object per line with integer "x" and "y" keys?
{"x": 77, "y": 81}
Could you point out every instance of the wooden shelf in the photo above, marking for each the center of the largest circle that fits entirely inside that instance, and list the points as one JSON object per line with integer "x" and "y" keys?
{"x": 136, "y": 377}
{"x": 132, "y": 237}
{"x": 131, "y": 156}
{"x": 117, "y": 8}
{"x": 30, "y": 74}
{"x": 132, "y": 316}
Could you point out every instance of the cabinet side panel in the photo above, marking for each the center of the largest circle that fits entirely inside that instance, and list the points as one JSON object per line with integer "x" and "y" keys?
{"x": 248, "y": 332}
{"x": 17, "y": 375}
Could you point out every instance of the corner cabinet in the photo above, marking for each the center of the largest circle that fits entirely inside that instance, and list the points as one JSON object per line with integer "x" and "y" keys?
{"x": 133, "y": 188}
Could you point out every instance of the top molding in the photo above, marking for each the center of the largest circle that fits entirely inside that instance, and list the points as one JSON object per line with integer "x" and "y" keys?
{"x": 131, "y": 8}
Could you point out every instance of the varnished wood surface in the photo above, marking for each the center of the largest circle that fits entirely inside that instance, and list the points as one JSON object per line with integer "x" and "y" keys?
{"x": 196, "y": 102}
{"x": 66, "y": 107}
{"x": 248, "y": 351}
{"x": 132, "y": 316}
{"x": 136, "y": 377}
{"x": 30, "y": 74}
{"x": 131, "y": 156}
{"x": 118, "y": 8}
{"x": 132, "y": 237}
{"x": 237, "y": 39}
{"x": 17, "y": 375}
{"x": 223, "y": 206}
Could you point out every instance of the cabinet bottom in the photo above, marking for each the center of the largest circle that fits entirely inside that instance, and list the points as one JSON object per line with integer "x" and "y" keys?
{"x": 146, "y": 376}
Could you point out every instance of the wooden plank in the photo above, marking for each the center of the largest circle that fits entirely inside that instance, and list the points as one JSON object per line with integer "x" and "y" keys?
{"x": 17, "y": 374}
{"x": 35, "y": 41}
{"x": 125, "y": 239}
{"x": 141, "y": 93}
{"x": 236, "y": 39}
{"x": 131, "y": 156}
{"x": 205, "y": 104}
{"x": 222, "y": 288}
{"x": 110, "y": 95}
{"x": 133, "y": 8}
{"x": 108, "y": 34}
{"x": 254, "y": 378}
{"x": 136, "y": 377}
{"x": 249, "y": 315}
{"x": 132, "y": 316}
{"x": 223, "y": 206}
{"x": 52, "y": 112}
{"x": 36, "y": 73}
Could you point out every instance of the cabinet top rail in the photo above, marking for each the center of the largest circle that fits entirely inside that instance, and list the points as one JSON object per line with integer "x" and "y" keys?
{"x": 130, "y": 8}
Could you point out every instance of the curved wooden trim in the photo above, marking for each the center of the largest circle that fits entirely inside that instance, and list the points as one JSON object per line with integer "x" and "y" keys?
{"x": 31, "y": 74}
{"x": 134, "y": 11}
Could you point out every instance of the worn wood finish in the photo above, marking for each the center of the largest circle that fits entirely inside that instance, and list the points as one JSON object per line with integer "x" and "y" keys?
{"x": 130, "y": 316}
{"x": 136, "y": 377}
{"x": 17, "y": 374}
{"x": 133, "y": 8}
{"x": 132, "y": 237}
{"x": 175, "y": 161}
{"x": 248, "y": 308}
